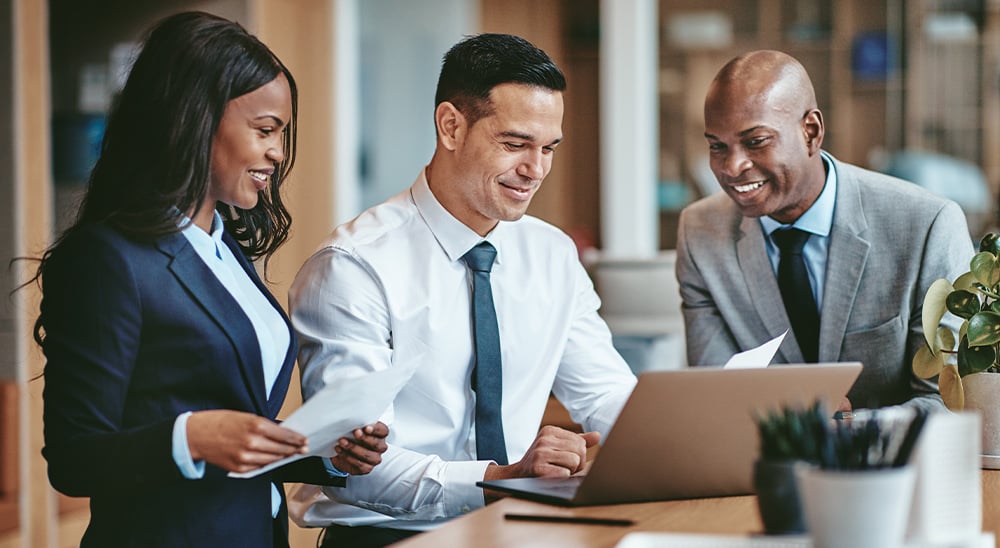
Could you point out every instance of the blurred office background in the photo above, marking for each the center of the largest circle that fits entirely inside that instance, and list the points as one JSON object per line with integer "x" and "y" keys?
{"x": 907, "y": 87}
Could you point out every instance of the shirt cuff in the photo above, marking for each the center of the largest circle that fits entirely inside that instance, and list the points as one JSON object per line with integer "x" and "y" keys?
{"x": 332, "y": 470}
{"x": 461, "y": 495}
{"x": 182, "y": 453}
{"x": 275, "y": 501}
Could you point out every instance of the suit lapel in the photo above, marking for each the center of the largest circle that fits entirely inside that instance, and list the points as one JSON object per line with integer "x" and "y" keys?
{"x": 280, "y": 388}
{"x": 216, "y": 301}
{"x": 763, "y": 288}
{"x": 845, "y": 263}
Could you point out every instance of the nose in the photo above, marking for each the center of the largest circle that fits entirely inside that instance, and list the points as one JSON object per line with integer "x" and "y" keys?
{"x": 735, "y": 162}
{"x": 535, "y": 166}
{"x": 275, "y": 153}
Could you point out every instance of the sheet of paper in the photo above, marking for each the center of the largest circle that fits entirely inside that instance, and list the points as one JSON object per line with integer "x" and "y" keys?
{"x": 336, "y": 410}
{"x": 756, "y": 357}
{"x": 713, "y": 540}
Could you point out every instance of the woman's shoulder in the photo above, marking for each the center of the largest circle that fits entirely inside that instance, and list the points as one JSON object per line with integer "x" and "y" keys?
{"x": 96, "y": 243}
{"x": 99, "y": 235}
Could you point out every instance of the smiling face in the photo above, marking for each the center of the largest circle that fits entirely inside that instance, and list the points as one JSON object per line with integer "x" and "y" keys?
{"x": 498, "y": 163}
{"x": 247, "y": 146}
{"x": 764, "y": 139}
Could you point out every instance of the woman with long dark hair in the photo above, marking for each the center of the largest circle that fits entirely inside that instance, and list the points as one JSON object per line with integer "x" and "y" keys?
{"x": 167, "y": 359}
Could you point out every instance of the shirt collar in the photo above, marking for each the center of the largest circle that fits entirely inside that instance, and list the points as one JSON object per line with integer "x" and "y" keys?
{"x": 818, "y": 219}
{"x": 451, "y": 234}
{"x": 206, "y": 244}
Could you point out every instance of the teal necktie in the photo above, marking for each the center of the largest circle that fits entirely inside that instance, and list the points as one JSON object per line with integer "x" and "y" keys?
{"x": 487, "y": 377}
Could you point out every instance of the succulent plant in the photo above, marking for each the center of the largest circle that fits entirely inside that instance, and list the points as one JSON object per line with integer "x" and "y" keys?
{"x": 792, "y": 434}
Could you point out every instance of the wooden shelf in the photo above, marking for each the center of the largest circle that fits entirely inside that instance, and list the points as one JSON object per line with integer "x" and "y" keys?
{"x": 863, "y": 116}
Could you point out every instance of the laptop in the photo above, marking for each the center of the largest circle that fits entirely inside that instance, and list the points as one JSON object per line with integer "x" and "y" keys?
{"x": 688, "y": 433}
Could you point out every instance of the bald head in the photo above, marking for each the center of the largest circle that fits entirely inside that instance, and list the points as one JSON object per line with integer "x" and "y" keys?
{"x": 765, "y": 76}
{"x": 764, "y": 134}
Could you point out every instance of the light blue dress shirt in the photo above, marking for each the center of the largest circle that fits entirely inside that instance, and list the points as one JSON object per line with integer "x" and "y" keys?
{"x": 272, "y": 332}
{"x": 818, "y": 221}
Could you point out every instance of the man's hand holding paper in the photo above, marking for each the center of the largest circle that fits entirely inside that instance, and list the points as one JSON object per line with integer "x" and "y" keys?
{"x": 359, "y": 455}
{"x": 341, "y": 410}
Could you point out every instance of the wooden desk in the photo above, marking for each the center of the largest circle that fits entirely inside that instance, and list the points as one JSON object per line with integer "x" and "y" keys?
{"x": 730, "y": 515}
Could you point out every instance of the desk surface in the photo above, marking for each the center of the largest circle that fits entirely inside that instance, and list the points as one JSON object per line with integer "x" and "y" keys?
{"x": 729, "y": 515}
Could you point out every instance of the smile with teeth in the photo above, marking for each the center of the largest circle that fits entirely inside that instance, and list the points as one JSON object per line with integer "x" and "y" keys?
{"x": 519, "y": 190}
{"x": 748, "y": 187}
{"x": 260, "y": 176}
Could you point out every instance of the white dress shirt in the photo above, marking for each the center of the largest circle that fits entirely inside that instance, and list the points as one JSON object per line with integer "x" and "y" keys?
{"x": 389, "y": 289}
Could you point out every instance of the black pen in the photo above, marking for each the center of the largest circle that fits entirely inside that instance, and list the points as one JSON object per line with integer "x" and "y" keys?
{"x": 910, "y": 438}
{"x": 569, "y": 519}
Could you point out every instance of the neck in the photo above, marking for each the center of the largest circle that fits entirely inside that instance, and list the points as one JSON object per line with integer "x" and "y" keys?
{"x": 202, "y": 217}
{"x": 443, "y": 181}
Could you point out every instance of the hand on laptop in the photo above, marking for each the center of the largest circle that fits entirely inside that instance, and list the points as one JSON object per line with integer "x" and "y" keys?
{"x": 556, "y": 452}
{"x": 844, "y": 411}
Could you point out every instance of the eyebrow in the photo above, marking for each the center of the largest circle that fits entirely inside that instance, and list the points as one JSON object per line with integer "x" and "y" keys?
{"x": 273, "y": 117}
{"x": 527, "y": 137}
{"x": 740, "y": 134}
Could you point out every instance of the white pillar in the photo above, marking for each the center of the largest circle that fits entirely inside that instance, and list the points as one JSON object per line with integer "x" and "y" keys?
{"x": 346, "y": 117}
{"x": 629, "y": 127}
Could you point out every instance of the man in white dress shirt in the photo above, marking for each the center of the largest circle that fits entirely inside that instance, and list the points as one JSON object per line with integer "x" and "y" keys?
{"x": 391, "y": 289}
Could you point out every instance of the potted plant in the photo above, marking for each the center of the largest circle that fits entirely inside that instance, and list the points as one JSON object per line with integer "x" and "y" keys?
{"x": 796, "y": 442}
{"x": 788, "y": 438}
{"x": 964, "y": 366}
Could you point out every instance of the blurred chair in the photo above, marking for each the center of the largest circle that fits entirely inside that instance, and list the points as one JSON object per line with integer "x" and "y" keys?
{"x": 950, "y": 177}
{"x": 641, "y": 305}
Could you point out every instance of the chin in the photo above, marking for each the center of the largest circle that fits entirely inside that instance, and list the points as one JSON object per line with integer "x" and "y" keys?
{"x": 249, "y": 204}
{"x": 514, "y": 215}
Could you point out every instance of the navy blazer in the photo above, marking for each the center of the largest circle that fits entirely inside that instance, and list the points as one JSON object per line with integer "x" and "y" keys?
{"x": 136, "y": 334}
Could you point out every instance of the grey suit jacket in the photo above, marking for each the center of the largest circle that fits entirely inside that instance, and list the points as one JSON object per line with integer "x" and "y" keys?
{"x": 889, "y": 241}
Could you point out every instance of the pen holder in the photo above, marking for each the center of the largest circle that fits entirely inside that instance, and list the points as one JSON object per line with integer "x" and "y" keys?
{"x": 856, "y": 508}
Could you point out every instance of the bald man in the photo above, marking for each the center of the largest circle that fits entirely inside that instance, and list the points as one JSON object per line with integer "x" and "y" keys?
{"x": 873, "y": 244}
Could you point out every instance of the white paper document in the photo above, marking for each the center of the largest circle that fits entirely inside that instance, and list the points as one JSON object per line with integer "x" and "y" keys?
{"x": 756, "y": 357}
{"x": 708, "y": 540}
{"x": 336, "y": 410}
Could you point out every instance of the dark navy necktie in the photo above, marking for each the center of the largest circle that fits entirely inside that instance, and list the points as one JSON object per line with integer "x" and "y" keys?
{"x": 796, "y": 292}
{"x": 487, "y": 378}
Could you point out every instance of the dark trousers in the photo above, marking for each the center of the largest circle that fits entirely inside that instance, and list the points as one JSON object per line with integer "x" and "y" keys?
{"x": 341, "y": 536}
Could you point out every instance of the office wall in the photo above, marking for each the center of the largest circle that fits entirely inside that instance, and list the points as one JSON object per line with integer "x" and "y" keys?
{"x": 402, "y": 43}
{"x": 8, "y": 340}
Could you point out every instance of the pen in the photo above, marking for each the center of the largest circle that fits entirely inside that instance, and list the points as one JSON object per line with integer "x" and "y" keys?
{"x": 910, "y": 439}
{"x": 569, "y": 519}
{"x": 843, "y": 416}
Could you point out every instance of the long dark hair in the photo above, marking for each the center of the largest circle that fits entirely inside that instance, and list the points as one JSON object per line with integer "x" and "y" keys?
{"x": 155, "y": 158}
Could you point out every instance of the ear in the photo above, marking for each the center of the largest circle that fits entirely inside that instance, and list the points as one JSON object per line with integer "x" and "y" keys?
{"x": 450, "y": 124}
{"x": 813, "y": 130}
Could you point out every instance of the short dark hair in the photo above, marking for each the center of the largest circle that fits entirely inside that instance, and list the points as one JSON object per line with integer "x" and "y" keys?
{"x": 156, "y": 154}
{"x": 477, "y": 64}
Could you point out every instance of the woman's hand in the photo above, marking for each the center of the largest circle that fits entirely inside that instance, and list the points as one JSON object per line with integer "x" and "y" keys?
{"x": 359, "y": 455}
{"x": 239, "y": 442}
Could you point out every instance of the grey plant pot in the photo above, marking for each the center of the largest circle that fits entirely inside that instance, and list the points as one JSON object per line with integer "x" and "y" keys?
{"x": 778, "y": 496}
{"x": 982, "y": 394}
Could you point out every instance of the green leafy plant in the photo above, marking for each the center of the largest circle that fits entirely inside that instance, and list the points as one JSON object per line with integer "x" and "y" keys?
{"x": 975, "y": 297}
{"x": 792, "y": 434}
